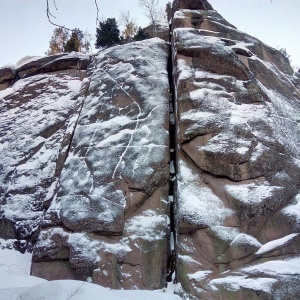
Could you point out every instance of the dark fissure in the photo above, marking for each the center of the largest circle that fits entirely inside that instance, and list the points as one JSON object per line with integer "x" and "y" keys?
{"x": 172, "y": 135}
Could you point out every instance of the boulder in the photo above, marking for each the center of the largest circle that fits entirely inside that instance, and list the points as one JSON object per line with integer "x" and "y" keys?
{"x": 7, "y": 77}
{"x": 28, "y": 64}
{"x": 74, "y": 64}
{"x": 160, "y": 30}
{"x": 200, "y": 143}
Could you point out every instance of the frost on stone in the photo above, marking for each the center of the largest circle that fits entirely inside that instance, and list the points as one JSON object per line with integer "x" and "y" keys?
{"x": 275, "y": 244}
{"x": 236, "y": 283}
{"x": 150, "y": 226}
{"x": 194, "y": 200}
{"x": 37, "y": 113}
{"x": 121, "y": 141}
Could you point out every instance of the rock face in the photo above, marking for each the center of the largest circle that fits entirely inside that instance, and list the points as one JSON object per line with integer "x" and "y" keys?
{"x": 97, "y": 169}
{"x": 109, "y": 218}
{"x": 237, "y": 116}
{"x": 160, "y": 30}
{"x": 7, "y": 77}
{"x": 37, "y": 118}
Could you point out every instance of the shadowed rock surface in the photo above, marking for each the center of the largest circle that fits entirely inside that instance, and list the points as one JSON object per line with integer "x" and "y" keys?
{"x": 97, "y": 169}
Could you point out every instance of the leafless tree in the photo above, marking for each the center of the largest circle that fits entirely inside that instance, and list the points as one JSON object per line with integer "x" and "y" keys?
{"x": 50, "y": 15}
{"x": 152, "y": 10}
{"x": 130, "y": 25}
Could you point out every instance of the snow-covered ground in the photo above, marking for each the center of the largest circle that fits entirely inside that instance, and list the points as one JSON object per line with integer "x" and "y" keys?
{"x": 16, "y": 283}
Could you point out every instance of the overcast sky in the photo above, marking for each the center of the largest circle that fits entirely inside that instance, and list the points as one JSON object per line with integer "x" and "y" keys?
{"x": 25, "y": 30}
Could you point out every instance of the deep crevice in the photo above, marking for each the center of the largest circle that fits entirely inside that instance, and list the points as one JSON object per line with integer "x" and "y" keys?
{"x": 171, "y": 268}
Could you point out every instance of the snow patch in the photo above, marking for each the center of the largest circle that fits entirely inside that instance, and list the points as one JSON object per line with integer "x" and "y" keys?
{"x": 276, "y": 267}
{"x": 270, "y": 246}
{"x": 147, "y": 226}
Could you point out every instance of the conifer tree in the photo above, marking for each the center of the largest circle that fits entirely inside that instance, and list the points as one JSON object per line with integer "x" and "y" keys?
{"x": 140, "y": 35}
{"x": 73, "y": 44}
{"x": 107, "y": 34}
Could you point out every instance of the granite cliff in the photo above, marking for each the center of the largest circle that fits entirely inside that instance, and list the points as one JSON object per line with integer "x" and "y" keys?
{"x": 157, "y": 156}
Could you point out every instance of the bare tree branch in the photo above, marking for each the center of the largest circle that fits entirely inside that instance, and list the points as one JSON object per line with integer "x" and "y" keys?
{"x": 49, "y": 15}
{"x": 151, "y": 9}
{"x": 55, "y": 4}
{"x": 97, "y": 18}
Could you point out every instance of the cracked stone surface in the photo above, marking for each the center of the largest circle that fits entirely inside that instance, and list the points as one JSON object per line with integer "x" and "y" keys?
{"x": 237, "y": 160}
{"x": 113, "y": 189}
{"x": 37, "y": 117}
{"x": 96, "y": 171}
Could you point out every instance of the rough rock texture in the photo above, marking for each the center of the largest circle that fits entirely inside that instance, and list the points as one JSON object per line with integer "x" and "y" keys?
{"x": 191, "y": 4}
{"x": 95, "y": 174}
{"x": 161, "y": 30}
{"x": 37, "y": 118}
{"x": 237, "y": 116}
{"x": 109, "y": 219}
{"x": 7, "y": 77}
{"x": 74, "y": 64}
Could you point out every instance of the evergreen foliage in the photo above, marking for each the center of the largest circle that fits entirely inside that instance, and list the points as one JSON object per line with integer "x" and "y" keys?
{"x": 107, "y": 34}
{"x": 62, "y": 41}
{"x": 168, "y": 10}
{"x": 73, "y": 43}
{"x": 140, "y": 35}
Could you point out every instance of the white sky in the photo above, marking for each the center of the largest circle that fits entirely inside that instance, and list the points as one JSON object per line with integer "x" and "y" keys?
{"x": 25, "y": 30}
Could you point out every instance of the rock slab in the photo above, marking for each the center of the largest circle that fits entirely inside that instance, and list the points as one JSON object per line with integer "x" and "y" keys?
{"x": 110, "y": 216}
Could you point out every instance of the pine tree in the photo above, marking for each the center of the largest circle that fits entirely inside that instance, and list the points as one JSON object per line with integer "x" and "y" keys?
{"x": 140, "y": 35}
{"x": 73, "y": 44}
{"x": 62, "y": 41}
{"x": 168, "y": 10}
{"x": 107, "y": 34}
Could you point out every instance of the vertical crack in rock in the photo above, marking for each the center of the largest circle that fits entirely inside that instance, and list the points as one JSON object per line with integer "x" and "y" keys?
{"x": 181, "y": 156}
{"x": 172, "y": 135}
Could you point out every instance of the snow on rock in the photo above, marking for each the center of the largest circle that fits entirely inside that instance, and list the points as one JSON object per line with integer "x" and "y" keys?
{"x": 16, "y": 283}
{"x": 237, "y": 115}
{"x": 73, "y": 63}
{"x": 235, "y": 284}
{"x": 191, "y": 195}
{"x": 36, "y": 114}
{"x": 293, "y": 209}
{"x": 113, "y": 190}
{"x": 271, "y": 246}
{"x": 78, "y": 290}
{"x": 26, "y": 59}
